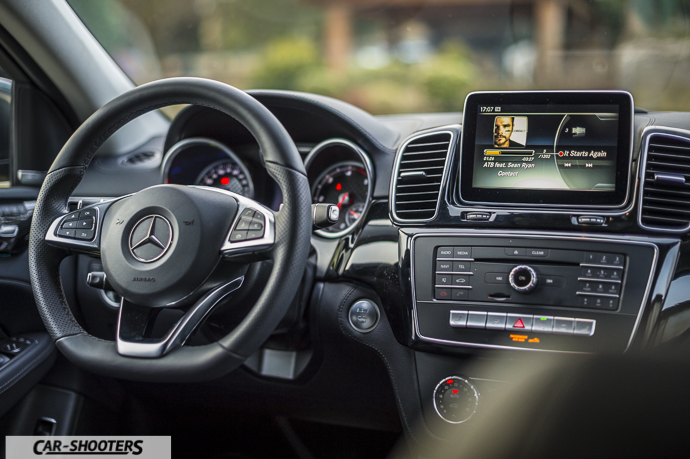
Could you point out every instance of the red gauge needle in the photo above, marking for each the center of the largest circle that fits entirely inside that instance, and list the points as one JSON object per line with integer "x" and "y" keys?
{"x": 354, "y": 213}
{"x": 342, "y": 199}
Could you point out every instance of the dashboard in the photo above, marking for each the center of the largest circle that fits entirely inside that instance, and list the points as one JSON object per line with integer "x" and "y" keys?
{"x": 533, "y": 222}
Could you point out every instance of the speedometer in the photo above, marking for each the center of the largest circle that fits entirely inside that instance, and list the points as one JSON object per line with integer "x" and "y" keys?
{"x": 227, "y": 174}
{"x": 347, "y": 186}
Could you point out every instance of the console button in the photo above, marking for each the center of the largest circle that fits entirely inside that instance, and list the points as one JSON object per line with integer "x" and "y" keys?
{"x": 586, "y": 286}
{"x": 542, "y": 324}
{"x": 600, "y": 287}
{"x": 442, "y": 294}
{"x": 496, "y": 278}
{"x": 591, "y": 257}
{"x": 540, "y": 253}
{"x": 599, "y": 302}
{"x": 616, "y": 274}
{"x": 515, "y": 252}
{"x": 617, "y": 260}
{"x": 476, "y": 319}
{"x": 563, "y": 325}
{"x": 85, "y": 224}
{"x": 69, "y": 233}
{"x": 612, "y": 289}
{"x": 458, "y": 319}
{"x": 589, "y": 273}
{"x": 553, "y": 281}
{"x": 462, "y": 267}
{"x": 443, "y": 279}
{"x": 87, "y": 213}
{"x": 86, "y": 235}
{"x": 461, "y": 281}
{"x": 520, "y": 322}
{"x": 523, "y": 278}
{"x": 462, "y": 252}
{"x": 460, "y": 293}
{"x": 584, "y": 327}
{"x": 478, "y": 216}
{"x": 444, "y": 252}
{"x": 496, "y": 321}
{"x": 444, "y": 266}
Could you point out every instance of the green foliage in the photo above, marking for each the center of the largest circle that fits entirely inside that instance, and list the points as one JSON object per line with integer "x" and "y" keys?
{"x": 285, "y": 61}
{"x": 448, "y": 77}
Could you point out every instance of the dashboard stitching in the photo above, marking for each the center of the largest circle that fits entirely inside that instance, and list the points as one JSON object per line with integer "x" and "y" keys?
{"x": 385, "y": 360}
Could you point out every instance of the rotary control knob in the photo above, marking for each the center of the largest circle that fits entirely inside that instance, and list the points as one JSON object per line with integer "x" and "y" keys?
{"x": 455, "y": 399}
{"x": 523, "y": 278}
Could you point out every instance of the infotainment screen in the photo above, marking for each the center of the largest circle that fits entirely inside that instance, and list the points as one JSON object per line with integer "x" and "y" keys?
{"x": 547, "y": 148}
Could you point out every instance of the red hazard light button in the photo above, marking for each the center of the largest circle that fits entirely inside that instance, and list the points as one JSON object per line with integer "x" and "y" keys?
{"x": 521, "y": 322}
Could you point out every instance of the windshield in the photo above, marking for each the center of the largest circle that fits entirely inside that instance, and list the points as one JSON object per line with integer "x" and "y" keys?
{"x": 401, "y": 56}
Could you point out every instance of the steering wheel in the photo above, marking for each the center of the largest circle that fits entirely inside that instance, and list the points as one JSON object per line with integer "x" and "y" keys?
{"x": 171, "y": 246}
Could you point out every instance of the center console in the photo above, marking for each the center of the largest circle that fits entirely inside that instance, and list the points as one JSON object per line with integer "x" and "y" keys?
{"x": 546, "y": 293}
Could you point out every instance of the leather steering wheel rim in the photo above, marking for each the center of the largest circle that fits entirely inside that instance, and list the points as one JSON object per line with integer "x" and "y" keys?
{"x": 292, "y": 235}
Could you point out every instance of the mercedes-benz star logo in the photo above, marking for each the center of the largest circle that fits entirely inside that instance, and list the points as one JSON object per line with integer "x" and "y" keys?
{"x": 150, "y": 238}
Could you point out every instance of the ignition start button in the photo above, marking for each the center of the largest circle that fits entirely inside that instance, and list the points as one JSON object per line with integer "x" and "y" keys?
{"x": 364, "y": 316}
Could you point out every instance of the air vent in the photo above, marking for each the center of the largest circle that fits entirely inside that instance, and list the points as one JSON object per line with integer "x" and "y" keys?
{"x": 418, "y": 178}
{"x": 139, "y": 159}
{"x": 666, "y": 187}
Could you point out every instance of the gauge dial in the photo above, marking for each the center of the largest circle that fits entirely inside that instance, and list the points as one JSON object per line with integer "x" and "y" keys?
{"x": 347, "y": 186}
{"x": 228, "y": 175}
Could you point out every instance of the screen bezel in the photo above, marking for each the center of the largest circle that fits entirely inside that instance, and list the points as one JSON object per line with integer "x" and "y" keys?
{"x": 547, "y": 198}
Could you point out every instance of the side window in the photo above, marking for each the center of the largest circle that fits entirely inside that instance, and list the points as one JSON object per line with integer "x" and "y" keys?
{"x": 5, "y": 117}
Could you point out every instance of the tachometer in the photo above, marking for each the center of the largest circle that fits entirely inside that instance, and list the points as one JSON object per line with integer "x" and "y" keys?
{"x": 228, "y": 175}
{"x": 347, "y": 185}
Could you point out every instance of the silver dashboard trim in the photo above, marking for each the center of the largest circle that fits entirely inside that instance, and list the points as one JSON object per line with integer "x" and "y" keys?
{"x": 647, "y": 134}
{"x": 452, "y": 130}
{"x": 366, "y": 162}
{"x": 556, "y": 208}
{"x": 524, "y": 235}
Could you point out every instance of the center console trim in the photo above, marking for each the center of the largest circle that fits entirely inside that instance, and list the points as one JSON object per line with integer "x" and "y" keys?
{"x": 524, "y": 235}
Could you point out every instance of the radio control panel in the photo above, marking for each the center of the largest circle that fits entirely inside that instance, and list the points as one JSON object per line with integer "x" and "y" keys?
{"x": 555, "y": 293}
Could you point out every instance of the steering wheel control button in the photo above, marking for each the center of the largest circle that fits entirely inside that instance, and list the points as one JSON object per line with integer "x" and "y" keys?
{"x": 257, "y": 224}
{"x": 563, "y": 325}
{"x": 248, "y": 213}
{"x": 85, "y": 235}
{"x": 243, "y": 224}
{"x": 458, "y": 319}
{"x": 523, "y": 278}
{"x": 237, "y": 236}
{"x": 455, "y": 399}
{"x": 364, "y": 316}
{"x": 442, "y": 294}
{"x": 68, "y": 233}
{"x": 86, "y": 224}
{"x": 584, "y": 327}
{"x": 70, "y": 224}
{"x": 519, "y": 322}
{"x": 542, "y": 324}
{"x": 476, "y": 319}
{"x": 496, "y": 321}
{"x": 150, "y": 238}
{"x": 71, "y": 216}
{"x": 87, "y": 213}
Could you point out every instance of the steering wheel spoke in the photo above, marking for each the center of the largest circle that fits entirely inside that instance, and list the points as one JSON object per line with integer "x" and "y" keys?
{"x": 134, "y": 323}
{"x": 80, "y": 230}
